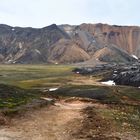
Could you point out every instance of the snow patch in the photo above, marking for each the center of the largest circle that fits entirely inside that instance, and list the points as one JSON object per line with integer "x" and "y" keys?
{"x": 20, "y": 45}
{"x": 9, "y": 60}
{"x": 93, "y": 41}
{"x": 53, "y": 89}
{"x": 38, "y": 51}
{"x": 47, "y": 99}
{"x": 13, "y": 29}
{"x": 69, "y": 32}
{"x": 109, "y": 83}
{"x": 14, "y": 62}
{"x": 45, "y": 90}
{"x": 134, "y": 56}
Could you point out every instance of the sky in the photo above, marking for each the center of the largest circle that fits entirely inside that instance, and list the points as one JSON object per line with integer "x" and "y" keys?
{"x": 41, "y": 13}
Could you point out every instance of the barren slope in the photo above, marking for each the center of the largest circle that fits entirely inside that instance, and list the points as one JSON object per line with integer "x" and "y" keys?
{"x": 66, "y": 43}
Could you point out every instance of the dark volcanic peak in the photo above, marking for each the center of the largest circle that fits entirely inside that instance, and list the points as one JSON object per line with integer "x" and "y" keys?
{"x": 69, "y": 44}
{"x": 51, "y": 27}
{"x": 5, "y": 26}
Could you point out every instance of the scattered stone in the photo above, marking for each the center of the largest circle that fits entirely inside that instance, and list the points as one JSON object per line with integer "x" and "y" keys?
{"x": 53, "y": 89}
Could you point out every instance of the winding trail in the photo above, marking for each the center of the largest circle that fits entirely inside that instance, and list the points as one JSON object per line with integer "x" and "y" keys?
{"x": 48, "y": 123}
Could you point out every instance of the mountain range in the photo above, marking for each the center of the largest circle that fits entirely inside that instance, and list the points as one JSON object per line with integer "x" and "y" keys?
{"x": 69, "y": 44}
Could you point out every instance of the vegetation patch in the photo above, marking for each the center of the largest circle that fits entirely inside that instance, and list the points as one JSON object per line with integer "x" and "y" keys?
{"x": 11, "y": 96}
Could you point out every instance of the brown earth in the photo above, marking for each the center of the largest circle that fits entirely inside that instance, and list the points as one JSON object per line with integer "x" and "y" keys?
{"x": 73, "y": 119}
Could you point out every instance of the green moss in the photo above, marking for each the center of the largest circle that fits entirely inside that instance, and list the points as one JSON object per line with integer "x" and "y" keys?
{"x": 11, "y": 96}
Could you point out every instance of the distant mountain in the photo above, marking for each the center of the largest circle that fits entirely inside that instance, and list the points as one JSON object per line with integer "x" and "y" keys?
{"x": 69, "y": 44}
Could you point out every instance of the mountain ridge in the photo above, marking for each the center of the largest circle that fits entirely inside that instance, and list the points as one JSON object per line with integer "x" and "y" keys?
{"x": 67, "y": 43}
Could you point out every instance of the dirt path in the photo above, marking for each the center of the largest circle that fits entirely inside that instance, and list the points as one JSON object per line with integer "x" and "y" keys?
{"x": 50, "y": 123}
{"x": 66, "y": 120}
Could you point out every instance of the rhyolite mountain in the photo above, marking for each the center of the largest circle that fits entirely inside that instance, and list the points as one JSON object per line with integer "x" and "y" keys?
{"x": 69, "y": 44}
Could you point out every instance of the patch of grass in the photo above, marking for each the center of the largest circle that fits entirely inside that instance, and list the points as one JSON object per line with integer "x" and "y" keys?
{"x": 104, "y": 94}
{"x": 27, "y": 76}
{"x": 102, "y": 75}
{"x": 130, "y": 92}
{"x": 101, "y": 93}
{"x": 124, "y": 118}
{"x": 50, "y": 81}
{"x": 11, "y": 96}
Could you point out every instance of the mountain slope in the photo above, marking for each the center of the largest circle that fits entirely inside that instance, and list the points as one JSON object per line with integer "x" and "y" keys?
{"x": 112, "y": 54}
{"x": 27, "y": 45}
{"x": 69, "y": 44}
{"x": 67, "y": 51}
{"x": 125, "y": 37}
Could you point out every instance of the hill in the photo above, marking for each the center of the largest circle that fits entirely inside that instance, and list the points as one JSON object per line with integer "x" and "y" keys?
{"x": 69, "y": 44}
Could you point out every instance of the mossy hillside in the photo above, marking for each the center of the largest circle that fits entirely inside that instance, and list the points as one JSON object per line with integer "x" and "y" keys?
{"x": 11, "y": 96}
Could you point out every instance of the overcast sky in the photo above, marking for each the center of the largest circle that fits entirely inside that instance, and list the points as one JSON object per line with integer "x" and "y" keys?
{"x": 40, "y": 13}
